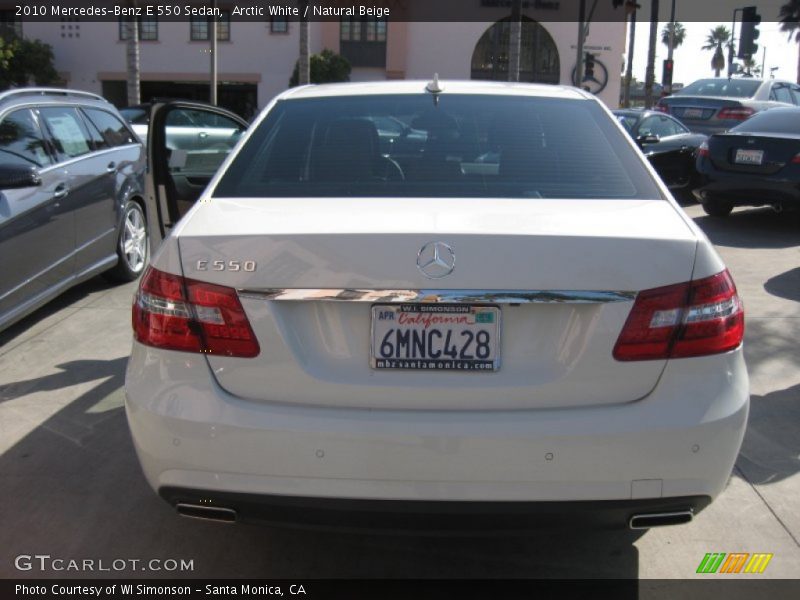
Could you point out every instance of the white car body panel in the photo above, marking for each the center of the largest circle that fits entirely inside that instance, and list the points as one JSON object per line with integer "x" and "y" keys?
{"x": 190, "y": 433}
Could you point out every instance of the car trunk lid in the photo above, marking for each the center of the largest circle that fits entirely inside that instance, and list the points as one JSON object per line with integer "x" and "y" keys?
{"x": 315, "y": 267}
{"x": 763, "y": 154}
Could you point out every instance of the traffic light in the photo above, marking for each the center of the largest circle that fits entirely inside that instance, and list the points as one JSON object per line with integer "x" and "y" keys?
{"x": 666, "y": 73}
{"x": 588, "y": 66}
{"x": 749, "y": 33}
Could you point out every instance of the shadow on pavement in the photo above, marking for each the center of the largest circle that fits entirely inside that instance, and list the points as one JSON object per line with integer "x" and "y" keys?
{"x": 71, "y": 373}
{"x": 755, "y": 228}
{"x": 75, "y": 490}
{"x": 771, "y": 448}
{"x": 786, "y": 285}
{"x": 71, "y": 296}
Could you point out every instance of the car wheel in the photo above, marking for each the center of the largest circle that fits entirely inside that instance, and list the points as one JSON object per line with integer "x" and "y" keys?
{"x": 132, "y": 244}
{"x": 717, "y": 208}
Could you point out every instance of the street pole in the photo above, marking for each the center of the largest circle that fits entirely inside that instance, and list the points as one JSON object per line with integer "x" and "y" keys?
{"x": 213, "y": 42}
{"x": 732, "y": 43}
{"x": 581, "y": 39}
{"x": 671, "y": 45}
{"x": 763, "y": 60}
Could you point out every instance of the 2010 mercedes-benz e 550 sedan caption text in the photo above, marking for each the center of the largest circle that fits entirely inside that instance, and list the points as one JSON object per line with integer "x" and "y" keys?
{"x": 452, "y": 301}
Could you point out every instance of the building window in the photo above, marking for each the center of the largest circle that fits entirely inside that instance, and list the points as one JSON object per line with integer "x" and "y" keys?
{"x": 200, "y": 26}
{"x": 538, "y": 62}
{"x": 363, "y": 41}
{"x": 362, "y": 30}
{"x": 10, "y": 24}
{"x": 279, "y": 25}
{"x": 70, "y": 27}
{"x": 148, "y": 28}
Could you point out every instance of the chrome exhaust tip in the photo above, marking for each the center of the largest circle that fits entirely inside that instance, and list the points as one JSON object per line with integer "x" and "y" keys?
{"x": 206, "y": 513}
{"x": 646, "y": 521}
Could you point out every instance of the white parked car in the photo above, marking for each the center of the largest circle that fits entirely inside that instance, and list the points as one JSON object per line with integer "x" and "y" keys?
{"x": 497, "y": 310}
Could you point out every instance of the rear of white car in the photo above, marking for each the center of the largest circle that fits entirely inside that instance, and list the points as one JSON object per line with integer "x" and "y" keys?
{"x": 496, "y": 310}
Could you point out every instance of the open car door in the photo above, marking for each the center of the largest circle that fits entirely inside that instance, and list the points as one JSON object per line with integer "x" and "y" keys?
{"x": 186, "y": 144}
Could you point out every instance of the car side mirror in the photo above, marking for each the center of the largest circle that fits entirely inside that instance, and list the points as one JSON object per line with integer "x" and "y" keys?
{"x": 650, "y": 138}
{"x": 18, "y": 176}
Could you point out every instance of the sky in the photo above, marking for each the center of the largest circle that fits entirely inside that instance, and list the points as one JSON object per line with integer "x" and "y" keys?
{"x": 692, "y": 63}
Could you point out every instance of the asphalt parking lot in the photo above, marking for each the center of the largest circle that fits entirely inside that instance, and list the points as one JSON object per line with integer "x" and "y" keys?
{"x": 72, "y": 488}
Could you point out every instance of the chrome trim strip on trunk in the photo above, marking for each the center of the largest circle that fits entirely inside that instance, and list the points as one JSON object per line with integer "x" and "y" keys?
{"x": 434, "y": 296}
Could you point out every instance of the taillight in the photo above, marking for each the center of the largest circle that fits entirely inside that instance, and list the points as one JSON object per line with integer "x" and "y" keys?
{"x": 664, "y": 108}
{"x": 736, "y": 114}
{"x": 796, "y": 159}
{"x": 686, "y": 319}
{"x": 176, "y": 313}
{"x": 702, "y": 150}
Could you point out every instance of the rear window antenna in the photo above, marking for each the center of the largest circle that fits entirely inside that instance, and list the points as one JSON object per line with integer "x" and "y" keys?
{"x": 435, "y": 88}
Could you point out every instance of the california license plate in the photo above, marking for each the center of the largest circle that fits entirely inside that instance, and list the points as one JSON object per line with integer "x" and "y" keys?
{"x": 692, "y": 113}
{"x": 749, "y": 157}
{"x": 435, "y": 337}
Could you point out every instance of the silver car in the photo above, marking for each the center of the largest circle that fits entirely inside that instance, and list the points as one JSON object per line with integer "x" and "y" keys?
{"x": 71, "y": 196}
{"x": 717, "y": 104}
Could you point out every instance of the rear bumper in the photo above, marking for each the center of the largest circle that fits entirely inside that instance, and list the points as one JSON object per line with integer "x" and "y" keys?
{"x": 748, "y": 190}
{"x": 194, "y": 439}
{"x": 429, "y": 516}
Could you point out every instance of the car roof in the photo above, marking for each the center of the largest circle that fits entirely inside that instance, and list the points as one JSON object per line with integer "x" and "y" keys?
{"x": 44, "y": 96}
{"x": 447, "y": 86}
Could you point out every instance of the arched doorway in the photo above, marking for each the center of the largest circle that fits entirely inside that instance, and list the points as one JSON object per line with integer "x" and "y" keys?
{"x": 538, "y": 53}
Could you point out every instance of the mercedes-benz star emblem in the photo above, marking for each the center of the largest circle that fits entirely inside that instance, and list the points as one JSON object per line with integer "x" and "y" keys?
{"x": 436, "y": 260}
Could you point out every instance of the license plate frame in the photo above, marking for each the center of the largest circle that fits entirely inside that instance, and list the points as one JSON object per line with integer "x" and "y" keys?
{"x": 423, "y": 318}
{"x": 692, "y": 113}
{"x": 747, "y": 156}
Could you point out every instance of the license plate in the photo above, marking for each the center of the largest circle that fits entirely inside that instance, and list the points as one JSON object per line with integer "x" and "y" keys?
{"x": 692, "y": 113}
{"x": 749, "y": 157}
{"x": 435, "y": 337}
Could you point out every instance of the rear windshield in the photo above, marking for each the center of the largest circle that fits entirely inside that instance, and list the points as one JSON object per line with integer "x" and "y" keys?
{"x": 772, "y": 121}
{"x": 460, "y": 146}
{"x": 732, "y": 88}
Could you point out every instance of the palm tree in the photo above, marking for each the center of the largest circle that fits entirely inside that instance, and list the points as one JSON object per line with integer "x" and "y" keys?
{"x": 680, "y": 35}
{"x": 751, "y": 68}
{"x": 515, "y": 41}
{"x": 133, "y": 67}
{"x": 650, "y": 73}
{"x": 626, "y": 101}
{"x": 718, "y": 38}
{"x": 304, "y": 64}
{"x": 790, "y": 21}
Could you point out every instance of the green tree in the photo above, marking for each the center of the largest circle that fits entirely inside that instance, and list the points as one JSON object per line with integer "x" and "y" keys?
{"x": 680, "y": 35}
{"x": 325, "y": 67}
{"x": 750, "y": 68}
{"x": 789, "y": 17}
{"x": 6, "y": 52}
{"x": 31, "y": 62}
{"x": 718, "y": 38}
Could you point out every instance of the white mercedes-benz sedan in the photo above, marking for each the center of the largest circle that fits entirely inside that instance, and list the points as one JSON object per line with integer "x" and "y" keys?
{"x": 461, "y": 302}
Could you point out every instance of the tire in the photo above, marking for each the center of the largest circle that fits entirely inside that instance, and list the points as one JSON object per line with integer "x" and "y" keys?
{"x": 717, "y": 208}
{"x": 133, "y": 244}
